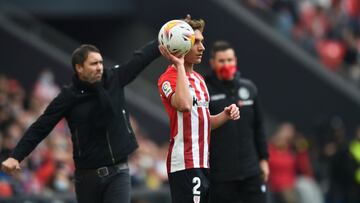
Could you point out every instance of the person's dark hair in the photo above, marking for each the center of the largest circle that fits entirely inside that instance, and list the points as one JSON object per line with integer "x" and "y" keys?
{"x": 220, "y": 45}
{"x": 195, "y": 24}
{"x": 81, "y": 53}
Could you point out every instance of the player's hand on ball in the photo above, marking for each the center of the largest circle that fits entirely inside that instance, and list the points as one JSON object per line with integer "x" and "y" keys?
{"x": 232, "y": 112}
{"x": 10, "y": 166}
{"x": 174, "y": 59}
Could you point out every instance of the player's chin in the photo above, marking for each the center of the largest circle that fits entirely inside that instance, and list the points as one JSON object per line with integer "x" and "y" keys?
{"x": 197, "y": 61}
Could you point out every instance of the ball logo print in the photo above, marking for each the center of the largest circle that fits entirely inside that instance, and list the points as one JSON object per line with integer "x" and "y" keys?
{"x": 177, "y": 36}
{"x": 169, "y": 26}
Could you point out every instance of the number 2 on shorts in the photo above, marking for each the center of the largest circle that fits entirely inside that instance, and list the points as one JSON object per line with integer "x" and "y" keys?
{"x": 197, "y": 182}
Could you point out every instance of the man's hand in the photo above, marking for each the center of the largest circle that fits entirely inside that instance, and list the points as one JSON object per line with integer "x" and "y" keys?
{"x": 232, "y": 112}
{"x": 264, "y": 167}
{"x": 10, "y": 166}
{"x": 174, "y": 59}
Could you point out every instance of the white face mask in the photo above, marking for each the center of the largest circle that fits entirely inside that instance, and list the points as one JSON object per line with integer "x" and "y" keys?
{"x": 61, "y": 186}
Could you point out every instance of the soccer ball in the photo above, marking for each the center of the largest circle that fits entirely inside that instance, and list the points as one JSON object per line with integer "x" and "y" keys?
{"x": 177, "y": 36}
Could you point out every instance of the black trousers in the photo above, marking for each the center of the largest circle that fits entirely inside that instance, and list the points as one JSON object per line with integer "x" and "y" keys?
{"x": 104, "y": 185}
{"x": 249, "y": 190}
{"x": 189, "y": 186}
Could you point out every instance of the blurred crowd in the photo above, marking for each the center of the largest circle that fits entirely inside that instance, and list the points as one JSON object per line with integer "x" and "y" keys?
{"x": 324, "y": 167}
{"x": 321, "y": 167}
{"x": 48, "y": 171}
{"x": 329, "y": 29}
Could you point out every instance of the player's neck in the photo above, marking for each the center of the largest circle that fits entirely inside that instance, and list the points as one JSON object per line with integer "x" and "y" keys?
{"x": 189, "y": 67}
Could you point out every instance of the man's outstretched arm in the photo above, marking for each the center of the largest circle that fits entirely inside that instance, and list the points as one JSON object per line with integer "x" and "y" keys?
{"x": 141, "y": 58}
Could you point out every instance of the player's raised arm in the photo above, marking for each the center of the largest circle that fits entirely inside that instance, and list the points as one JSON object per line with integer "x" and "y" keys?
{"x": 181, "y": 99}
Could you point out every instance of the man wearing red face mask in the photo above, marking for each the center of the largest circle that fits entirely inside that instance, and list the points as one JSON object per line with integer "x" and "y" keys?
{"x": 238, "y": 150}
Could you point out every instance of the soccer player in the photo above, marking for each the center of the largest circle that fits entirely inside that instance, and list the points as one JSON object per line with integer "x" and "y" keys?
{"x": 185, "y": 97}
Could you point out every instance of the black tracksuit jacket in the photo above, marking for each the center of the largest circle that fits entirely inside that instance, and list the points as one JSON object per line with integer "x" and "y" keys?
{"x": 101, "y": 133}
{"x": 237, "y": 146}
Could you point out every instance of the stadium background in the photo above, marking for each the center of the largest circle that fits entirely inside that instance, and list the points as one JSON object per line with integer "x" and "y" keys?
{"x": 302, "y": 54}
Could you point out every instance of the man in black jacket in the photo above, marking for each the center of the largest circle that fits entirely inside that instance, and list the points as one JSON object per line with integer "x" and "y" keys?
{"x": 94, "y": 108}
{"x": 238, "y": 150}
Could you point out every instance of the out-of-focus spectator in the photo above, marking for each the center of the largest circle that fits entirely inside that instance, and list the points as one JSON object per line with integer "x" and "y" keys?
{"x": 282, "y": 165}
{"x": 61, "y": 180}
{"x": 290, "y": 166}
{"x": 354, "y": 74}
{"x": 336, "y": 156}
{"x": 45, "y": 87}
{"x": 331, "y": 53}
{"x": 5, "y": 187}
{"x": 302, "y": 156}
{"x": 307, "y": 189}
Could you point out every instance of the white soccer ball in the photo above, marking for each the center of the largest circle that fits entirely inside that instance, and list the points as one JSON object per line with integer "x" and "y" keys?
{"x": 177, "y": 36}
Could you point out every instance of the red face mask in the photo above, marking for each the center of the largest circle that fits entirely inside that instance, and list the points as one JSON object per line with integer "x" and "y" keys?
{"x": 227, "y": 72}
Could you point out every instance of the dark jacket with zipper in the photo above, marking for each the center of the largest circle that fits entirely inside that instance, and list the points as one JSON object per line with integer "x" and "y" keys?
{"x": 237, "y": 146}
{"x": 96, "y": 115}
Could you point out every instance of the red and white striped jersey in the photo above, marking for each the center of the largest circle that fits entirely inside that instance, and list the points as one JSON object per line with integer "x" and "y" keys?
{"x": 189, "y": 131}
